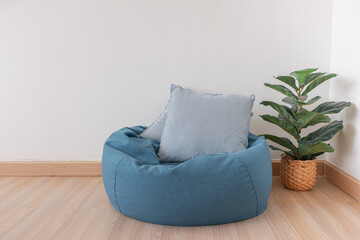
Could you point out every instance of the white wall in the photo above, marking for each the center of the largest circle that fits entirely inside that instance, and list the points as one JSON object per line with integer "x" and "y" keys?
{"x": 345, "y": 61}
{"x": 73, "y": 71}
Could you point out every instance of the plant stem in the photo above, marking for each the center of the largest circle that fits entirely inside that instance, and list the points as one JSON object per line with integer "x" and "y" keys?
{"x": 298, "y": 130}
{"x": 299, "y": 94}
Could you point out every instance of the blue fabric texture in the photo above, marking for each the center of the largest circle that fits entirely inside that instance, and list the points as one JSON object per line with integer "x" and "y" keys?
{"x": 206, "y": 190}
{"x": 200, "y": 124}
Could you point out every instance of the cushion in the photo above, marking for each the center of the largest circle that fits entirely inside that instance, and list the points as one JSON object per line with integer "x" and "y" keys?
{"x": 155, "y": 129}
{"x": 202, "y": 124}
{"x": 214, "y": 189}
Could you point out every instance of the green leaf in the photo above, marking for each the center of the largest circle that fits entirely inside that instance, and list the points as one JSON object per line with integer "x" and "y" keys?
{"x": 286, "y": 126}
{"x": 289, "y": 80}
{"x": 290, "y": 111}
{"x": 306, "y": 118}
{"x": 294, "y": 104}
{"x": 301, "y": 75}
{"x": 324, "y": 133}
{"x": 283, "y": 111}
{"x": 311, "y": 101}
{"x": 321, "y": 118}
{"x": 291, "y": 102}
{"x": 286, "y": 152}
{"x": 311, "y": 77}
{"x": 305, "y": 149}
{"x": 317, "y": 82}
{"x": 331, "y": 107}
{"x": 282, "y": 89}
{"x": 283, "y": 141}
{"x": 311, "y": 156}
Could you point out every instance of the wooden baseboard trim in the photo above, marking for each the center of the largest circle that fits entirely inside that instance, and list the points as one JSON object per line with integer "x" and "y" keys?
{"x": 50, "y": 168}
{"x": 80, "y": 168}
{"x": 343, "y": 180}
{"x": 276, "y": 167}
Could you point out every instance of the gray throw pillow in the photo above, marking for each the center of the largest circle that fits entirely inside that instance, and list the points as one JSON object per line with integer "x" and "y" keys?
{"x": 156, "y": 128}
{"x": 202, "y": 123}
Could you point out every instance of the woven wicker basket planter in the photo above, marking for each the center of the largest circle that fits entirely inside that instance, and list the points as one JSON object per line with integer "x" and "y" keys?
{"x": 296, "y": 174}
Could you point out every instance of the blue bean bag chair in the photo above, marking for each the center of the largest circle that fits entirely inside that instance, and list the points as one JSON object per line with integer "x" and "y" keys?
{"x": 206, "y": 190}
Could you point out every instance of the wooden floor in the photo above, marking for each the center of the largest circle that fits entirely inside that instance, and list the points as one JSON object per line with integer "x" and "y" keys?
{"x": 78, "y": 208}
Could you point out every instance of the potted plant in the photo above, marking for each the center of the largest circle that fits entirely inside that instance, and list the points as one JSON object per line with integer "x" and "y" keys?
{"x": 298, "y": 161}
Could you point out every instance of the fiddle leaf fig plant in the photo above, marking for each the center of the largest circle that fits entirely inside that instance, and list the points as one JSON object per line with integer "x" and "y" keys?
{"x": 295, "y": 116}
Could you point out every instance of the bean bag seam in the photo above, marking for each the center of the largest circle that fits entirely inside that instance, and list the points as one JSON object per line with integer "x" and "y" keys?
{"x": 252, "y": 183}
{"x": 117, "y": 166}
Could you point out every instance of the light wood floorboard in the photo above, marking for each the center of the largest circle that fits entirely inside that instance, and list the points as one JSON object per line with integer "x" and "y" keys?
{"x": 78, "y": 208}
